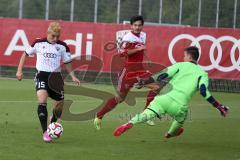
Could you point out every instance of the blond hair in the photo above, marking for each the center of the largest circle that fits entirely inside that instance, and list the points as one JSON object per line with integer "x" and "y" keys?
{"x": 54, "y": 27}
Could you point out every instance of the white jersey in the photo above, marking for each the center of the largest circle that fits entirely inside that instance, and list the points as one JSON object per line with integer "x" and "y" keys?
{"x": 131, "y": 37}
{"x": 49, "y": 56}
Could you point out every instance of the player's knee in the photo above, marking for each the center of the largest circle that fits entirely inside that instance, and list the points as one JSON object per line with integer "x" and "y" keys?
{"x": 42, "y": 102}
{"x": 156, "y": 89}
{"x": 150, "y": 99}
{"x": 58, "y": 104}
{"x": 42, "y": 98}
{"x": 120, "y": 99}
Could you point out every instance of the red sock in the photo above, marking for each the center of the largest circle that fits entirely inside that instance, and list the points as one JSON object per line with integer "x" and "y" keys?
{"x": 150, "y": 97}
{"x": 111, "y": 103}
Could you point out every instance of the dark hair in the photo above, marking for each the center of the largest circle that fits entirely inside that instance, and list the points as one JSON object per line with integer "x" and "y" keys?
{"x": 136, "y": 18}
{"x": 193, "y": 51}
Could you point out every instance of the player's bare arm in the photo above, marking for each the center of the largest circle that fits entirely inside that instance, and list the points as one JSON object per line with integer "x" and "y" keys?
{"x": 71, "y": 73}
{"x": 146, "y": 56}
{"x": 19, "y": 73}
{"x": 154, "y": 82}
{"x": 136, "y": 50}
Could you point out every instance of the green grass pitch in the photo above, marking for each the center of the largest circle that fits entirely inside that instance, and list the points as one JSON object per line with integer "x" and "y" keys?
{"x": 207, "y": 136}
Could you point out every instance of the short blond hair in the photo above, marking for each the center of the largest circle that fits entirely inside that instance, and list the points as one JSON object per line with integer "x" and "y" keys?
{"x": 54, "y": 27}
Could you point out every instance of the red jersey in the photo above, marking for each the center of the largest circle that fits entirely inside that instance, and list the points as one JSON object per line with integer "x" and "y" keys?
{"x": 133, "y": 63}
{"x": 132, "y": 41}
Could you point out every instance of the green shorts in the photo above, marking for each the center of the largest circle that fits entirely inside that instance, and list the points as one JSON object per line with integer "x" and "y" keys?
{"x": 164, "y": 104}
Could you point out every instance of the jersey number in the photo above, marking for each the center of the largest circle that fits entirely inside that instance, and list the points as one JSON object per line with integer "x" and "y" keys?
{"x": 41, "y": 84}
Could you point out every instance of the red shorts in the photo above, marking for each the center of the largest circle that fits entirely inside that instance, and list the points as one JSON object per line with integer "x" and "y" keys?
{"x": 126, "y": 79}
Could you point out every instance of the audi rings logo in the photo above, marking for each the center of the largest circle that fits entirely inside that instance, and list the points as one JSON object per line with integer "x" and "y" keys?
{"x": 216, "y": 44}
{"x": 49, "y": 55}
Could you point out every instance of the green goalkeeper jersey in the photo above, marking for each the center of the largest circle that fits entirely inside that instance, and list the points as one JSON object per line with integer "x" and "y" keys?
{"x": 186, "y": 79}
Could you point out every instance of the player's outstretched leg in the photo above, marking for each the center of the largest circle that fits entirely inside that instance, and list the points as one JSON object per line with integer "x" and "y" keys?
{"x": 175, "y": 129}
{"x": 57, "y": 111}
{"x": 111, "y": 104}
{"x": 150, "y": 97}
{"x": 147, "y": 114}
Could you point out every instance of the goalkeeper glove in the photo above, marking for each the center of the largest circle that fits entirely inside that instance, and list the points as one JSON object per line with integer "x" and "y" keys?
{"x": 140, "y": 84}
{"x": 223, "y": 109}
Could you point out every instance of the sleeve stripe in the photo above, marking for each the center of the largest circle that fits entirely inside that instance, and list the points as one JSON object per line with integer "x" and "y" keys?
{"x": 26, "y": 53}
{"x": 199, "y": 78}
{"x": 38, "y": 40}
{"x": 64, "y": 44}
{"x": 68, "y": 62}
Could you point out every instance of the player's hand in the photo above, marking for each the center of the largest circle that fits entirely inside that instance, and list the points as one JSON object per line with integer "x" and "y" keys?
{"x": 140, "y": 84}
{"x": 76, "y": 80}
{"x": 141, "y": 48}
{"x": 223, "y": 110}
{"x": 149, "y": 63}
{"x": 19, "y": 75}
{"x": 153, "y": 86}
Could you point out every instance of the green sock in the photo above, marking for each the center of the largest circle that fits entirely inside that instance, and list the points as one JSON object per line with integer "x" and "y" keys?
{"x": 143, "y": 117}
{"x": 174, "y": 127}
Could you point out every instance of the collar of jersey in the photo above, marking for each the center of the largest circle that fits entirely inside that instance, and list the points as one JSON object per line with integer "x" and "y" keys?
{"x": 194, "y": 62}
{"x": 138, "y": 35}
{"x": 49, "y": 42}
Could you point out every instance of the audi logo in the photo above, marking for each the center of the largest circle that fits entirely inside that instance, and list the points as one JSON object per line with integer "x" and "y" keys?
{"x": 216, "y": 44}
{"x": 49, "y": 55}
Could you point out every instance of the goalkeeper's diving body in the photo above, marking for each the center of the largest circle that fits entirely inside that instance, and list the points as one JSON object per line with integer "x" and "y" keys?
{"x": 185, "y": 79}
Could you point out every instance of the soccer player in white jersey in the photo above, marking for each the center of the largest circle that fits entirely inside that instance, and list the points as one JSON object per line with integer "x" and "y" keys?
{"x": 50, "y": 51}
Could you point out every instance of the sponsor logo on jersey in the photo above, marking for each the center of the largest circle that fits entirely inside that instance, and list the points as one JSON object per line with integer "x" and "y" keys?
{"x": 50, "y": 55}
{"x": 57, "y": 48}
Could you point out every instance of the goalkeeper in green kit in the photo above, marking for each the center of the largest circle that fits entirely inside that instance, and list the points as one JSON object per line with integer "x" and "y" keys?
{"x": 185, "y": 79}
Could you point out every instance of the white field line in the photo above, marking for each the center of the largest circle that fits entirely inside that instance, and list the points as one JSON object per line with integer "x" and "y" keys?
{"x": 29, "y": 101}
{"x": 89, "y": 101}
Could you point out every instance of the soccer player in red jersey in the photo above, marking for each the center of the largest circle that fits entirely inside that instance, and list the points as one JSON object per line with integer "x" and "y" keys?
{"x": 133, "y": 48}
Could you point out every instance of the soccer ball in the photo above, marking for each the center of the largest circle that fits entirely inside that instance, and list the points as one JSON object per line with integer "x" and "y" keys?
{"x": 55, "y": 130}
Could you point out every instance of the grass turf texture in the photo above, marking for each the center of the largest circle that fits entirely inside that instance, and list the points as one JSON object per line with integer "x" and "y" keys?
{"x": 207, "y": 135}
